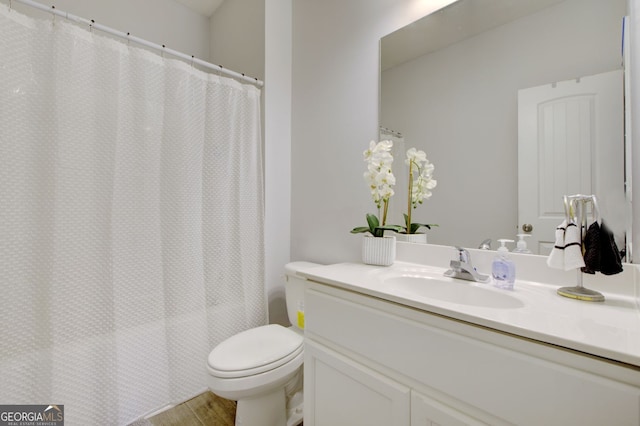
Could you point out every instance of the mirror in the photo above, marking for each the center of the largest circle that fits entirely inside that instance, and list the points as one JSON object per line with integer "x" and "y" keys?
{"x": 450, "y": 86}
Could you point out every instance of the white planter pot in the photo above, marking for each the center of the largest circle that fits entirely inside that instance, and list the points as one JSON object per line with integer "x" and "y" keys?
{"x": 420, "y": 238}
{"x": 378, "y": 250}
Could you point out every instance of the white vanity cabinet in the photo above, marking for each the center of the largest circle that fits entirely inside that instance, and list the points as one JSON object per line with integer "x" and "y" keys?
{"x": 348, "y": 393}
{"x": 373, "y": 362}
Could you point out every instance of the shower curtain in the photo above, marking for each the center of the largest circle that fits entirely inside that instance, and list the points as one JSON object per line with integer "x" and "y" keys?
{"x": 131, "y": 221}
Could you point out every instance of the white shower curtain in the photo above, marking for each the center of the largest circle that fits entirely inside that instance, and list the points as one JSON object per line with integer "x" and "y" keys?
{"x": 131, "y": 221}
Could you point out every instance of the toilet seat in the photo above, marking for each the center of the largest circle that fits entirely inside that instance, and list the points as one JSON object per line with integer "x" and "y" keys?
{"x": 255, "y": 351}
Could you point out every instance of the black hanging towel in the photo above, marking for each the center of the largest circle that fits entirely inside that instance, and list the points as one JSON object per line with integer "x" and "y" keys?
{"x": 610, "y": 259}
{"x": 592, "y": 249}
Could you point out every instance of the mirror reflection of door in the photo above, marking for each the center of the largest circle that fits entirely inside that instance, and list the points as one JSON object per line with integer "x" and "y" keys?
{"x": 570, "y": 141}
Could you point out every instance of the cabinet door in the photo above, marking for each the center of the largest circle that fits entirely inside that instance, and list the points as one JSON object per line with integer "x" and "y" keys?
{"x": 426, "y": 411}
{"x": 340, "y": 392}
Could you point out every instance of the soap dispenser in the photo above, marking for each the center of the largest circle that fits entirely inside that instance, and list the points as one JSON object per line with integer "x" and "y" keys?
{"x": 503, "y": 270}
{"x": 521, "y": 245}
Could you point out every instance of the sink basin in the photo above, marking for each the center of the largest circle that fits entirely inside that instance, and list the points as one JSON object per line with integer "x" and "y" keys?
{"x": 451, "y": 292}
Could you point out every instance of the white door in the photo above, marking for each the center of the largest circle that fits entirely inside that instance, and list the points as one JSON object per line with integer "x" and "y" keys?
{"x": 340, "y": 392}
{"x": 426, "y": 411}
{"x": 570, "y": 141}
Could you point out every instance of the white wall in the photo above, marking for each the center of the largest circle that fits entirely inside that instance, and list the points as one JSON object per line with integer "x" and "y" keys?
{"x": 634, "y": 7}
{"x": 459, "y": 104}
{"x": 277, "y": 128}
{"x": 159, "y": 21}
{"x": 238, "y": 37}
{"x": 335, "y": 115}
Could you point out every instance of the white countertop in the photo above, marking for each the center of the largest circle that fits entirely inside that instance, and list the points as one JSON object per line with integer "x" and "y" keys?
{"x": 609, "y": 329}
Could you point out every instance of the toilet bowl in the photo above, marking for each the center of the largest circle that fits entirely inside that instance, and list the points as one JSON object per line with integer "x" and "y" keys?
{"x": 261, "y": 368}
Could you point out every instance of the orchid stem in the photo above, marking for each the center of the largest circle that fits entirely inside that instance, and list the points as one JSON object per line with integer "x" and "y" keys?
{"x": 384, "y": 212}
{"x": 409, "y": 197}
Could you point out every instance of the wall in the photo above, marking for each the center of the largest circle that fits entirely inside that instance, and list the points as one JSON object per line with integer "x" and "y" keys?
{"x": 237, "y": 36}
{"x": 277, "y": 128}
{"x": 159, "y": 21}
{"x": 335, "y": 115}
{"x": 634, "y": 8}
{"x": 459, "y": 104}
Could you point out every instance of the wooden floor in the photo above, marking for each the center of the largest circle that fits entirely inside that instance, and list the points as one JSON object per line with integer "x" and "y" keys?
{"x": 206, "y": 409}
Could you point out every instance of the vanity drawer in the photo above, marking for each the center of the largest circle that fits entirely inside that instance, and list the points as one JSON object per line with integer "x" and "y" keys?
{"x": 425, "y": 351}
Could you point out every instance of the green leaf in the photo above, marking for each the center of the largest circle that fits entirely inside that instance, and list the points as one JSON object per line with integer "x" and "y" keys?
{"x": 374, "y": 227}
{"x": 379, "y": 231}
{"x": 394, "y": 228}
{"x": 416, "y": 226}
{"x": 373, "y": 222}
{"x": 360, "y": 230}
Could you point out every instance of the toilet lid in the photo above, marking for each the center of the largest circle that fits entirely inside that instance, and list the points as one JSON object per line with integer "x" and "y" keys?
{"x": 255, "y": 351}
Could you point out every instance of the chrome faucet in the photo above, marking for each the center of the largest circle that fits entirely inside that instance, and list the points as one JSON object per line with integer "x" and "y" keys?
{"x": 463, "y": 269}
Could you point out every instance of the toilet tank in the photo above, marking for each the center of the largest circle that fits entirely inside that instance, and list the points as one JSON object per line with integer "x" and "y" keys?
{"x": 294, "y": 286}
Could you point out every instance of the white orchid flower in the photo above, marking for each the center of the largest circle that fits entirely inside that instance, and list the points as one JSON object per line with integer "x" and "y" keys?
{"x": 421, "y": 182}
{"x": 379, "y": 174}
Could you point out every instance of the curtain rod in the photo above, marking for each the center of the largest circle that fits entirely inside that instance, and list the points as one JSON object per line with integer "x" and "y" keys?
{"x": 161, "y": 47}
{"x": 390, "y": 132}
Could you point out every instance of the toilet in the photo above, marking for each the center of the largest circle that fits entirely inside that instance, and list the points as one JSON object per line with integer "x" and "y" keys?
{"x": 261, "y": 368}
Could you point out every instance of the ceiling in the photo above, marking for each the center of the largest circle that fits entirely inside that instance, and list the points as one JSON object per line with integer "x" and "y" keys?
{"x": 451, "y": 24}
{"x": 203, "y": 7}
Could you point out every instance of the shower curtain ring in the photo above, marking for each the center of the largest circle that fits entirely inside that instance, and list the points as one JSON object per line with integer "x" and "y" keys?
{"x": 91, "y": 26}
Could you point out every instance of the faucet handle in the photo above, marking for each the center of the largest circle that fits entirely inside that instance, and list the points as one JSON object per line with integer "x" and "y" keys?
{"x": 463, "y": 255}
